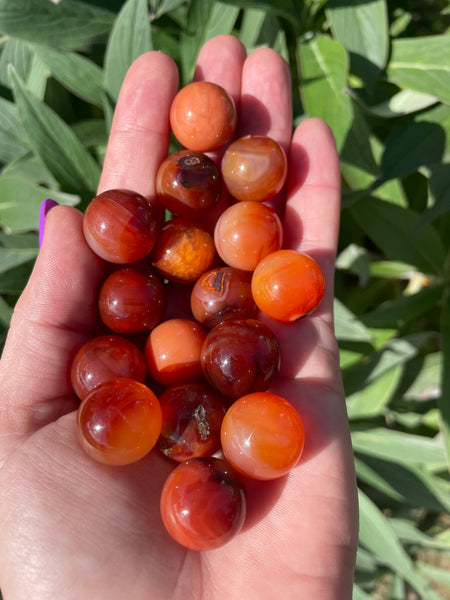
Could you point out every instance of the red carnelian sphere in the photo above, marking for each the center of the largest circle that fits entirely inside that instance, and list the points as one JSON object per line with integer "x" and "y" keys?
{"x": 103, "y": 358}
{"x": 240, "y": 356}
{"x": 131, "y": 300}
{"x": 203, "y": 116}
{"x": 188, "y": 183}
{"x": 184, "y": 251}
{"x": 254, "y": 168}
{"x": 222, "y": 294}
{"x": 192, "y": 416}
{"x": 203, "y": 504}
{"x": 287, "y": 285}
{"x": 121, "y": 226}
{"x": 262, "y": 435}
{"x": 245, "y": 233}
{"x": 119, "y": 422}
{"x": 172, "y": 351}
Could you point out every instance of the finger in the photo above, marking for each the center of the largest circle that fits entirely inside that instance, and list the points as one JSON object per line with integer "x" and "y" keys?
{"x": 220, "y": 61}
{"x": 140, "y": 132}
{"x": 55, "y": 314}
{"x": 313, "y": 206}
{"x": 266, "y": 102}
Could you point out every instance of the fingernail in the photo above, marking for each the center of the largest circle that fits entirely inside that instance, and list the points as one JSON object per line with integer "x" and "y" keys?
{"x": 45, "y": 207}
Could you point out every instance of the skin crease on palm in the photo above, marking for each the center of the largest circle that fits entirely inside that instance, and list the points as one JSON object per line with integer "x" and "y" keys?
{"x": 73, "y": 529}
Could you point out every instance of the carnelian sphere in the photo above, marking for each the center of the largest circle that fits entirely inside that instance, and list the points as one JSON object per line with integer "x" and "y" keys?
{"x": 287, "y": 285}
{"x": 240, "y": 356}
{"x": 102, "y": 358}
{"x": 254, "y": 168}
{"x": 222, "y": 294}
{"x": 131, "y": 300}
{"x": 192, "y": 416}
{"x": 262, "y": 435}
{"x": 188, "y": 183}
{"x": 184, "y": 251}
{"x": 172, "y": 351}
{"x": 119, "y": 422}
{"x": 121, "y": 226}
{"x": 203, "y": 504}
{"x": 245, "y": 233}
{"x": 203, "y": 116}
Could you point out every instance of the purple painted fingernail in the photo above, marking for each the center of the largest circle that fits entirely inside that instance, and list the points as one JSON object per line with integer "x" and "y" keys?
{"x": 45, "y": 207}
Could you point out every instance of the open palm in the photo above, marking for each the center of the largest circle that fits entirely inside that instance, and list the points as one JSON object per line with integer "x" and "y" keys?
{"x": 74, "y": 529}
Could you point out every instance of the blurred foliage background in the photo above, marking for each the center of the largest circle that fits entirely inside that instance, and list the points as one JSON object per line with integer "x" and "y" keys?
{"x": 379, "y": 73}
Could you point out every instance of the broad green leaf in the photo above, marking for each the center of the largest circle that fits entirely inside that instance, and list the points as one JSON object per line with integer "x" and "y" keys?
{"x": 393, "y": 313}
{"x": 439, "y": 575}
{"x": 377, "y": 535}
{"x": 362, "y": 28}
{"x": 130, "y": 37}
{"x": 68, "y": 24}
{"x": 409, "y": 533}
{"x": 439, "y": 115}
{"x": 323, "y": 90}
{"x": 359, "y": 593}
{"x": 395, "y": 352}
{"x": 411, "y": 145}
{"x": 373, "y": 399}
{"x": 12, "y": 257}
{"x": 29, "y": 67}
{"x": 394, "y": 231}
{"x": 20, "y": 201}
{"x": 370, "y": 476}
{"x": 395, "y": 446}
{"x": 54, "y": 142}
{"x": 14, "y": 280}
{"x": 422, "y": 64}
{"x": 30, "y": 166}
{"x": 91, "y": 132}
{"x": 287, "y": 9}
{"x": 427, "y": 383}
{"x": 347, "y": 325}
{"x": 355, "y": 259}
{"x": 252, "y": 23}
{"x": 13, "y": 142}
{"x": 161, "y": 7}
{"x": 205, "y": 19}
{"x": 439, "y": 188}
{"x": 78, "y": 74}
{"x": 6, "y": 312}
{"x": 404, "y": 102}
{"x": 443, "y": 403}
{"x": 391, "y": 269}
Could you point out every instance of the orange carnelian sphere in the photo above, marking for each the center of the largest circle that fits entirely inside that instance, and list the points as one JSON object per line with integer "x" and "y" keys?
{"x": 119, "y": 422}
{"x": 203, "y": 116}
{"x": 203, "y": 504}
{"x": 262, "y": 435}
{"x": 173, "y": 350}
{"x": 287, "y": 285}
{"x": 245, "y": 233}
{"x": 184, "y": 251}
{"x": 254, "y": 168}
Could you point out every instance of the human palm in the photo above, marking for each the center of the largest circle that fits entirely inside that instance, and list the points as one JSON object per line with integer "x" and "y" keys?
{"x": 71, "y": 528}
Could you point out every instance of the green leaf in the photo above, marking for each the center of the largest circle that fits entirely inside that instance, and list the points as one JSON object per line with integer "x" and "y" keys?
{"x": 27, "y": 64}
{"x": 12, "y": 257}
{"x": 404, "y": 102}
{"x": 398, "y": 447}
{"x": 54, "y": 141}
{"x": 12, "y": 142}
{"x": 427, "y": 383}
{"x": 377, "y": 535}
{"x": 395, "y": 352}
{"x": 443, "y": 403}
{"x": 411, "y": 145}
{"x": 130, "y": 37}
{"x": 373, "y": 399}
{"x": 394, "y": 231}
{"x": 20, "y": 202}
{"x": 283, "y": 8}
{"x": 69, "y": 24}
{"x": 359, "y": 593}
{"x": 393, "y": 313}
{"x": 78, "y": 74}
{"x": 362, "y": 28}
{"x": 323, "y": 90}
{"x": 347, "y": 325}
{"x": 205, "y": 19}
{"x": 421, "y": 64}
{"x": 439, "y": 188}
{"x": 160, "y": 7}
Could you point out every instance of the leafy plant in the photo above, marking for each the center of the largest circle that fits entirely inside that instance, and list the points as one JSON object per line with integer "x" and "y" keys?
{"x": 378, "y": 73}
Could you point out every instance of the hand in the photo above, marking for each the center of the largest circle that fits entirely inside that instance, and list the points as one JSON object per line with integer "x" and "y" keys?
{"x": 74, "y": 529}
